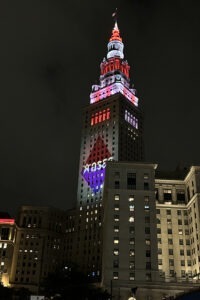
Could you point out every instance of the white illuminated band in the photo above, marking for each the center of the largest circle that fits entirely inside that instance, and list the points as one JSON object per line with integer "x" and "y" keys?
{"x": 96, "y": 166}
{"x": 113, "y": 89}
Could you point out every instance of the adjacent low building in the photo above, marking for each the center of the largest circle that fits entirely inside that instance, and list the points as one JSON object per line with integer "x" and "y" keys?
{"x": 7, "y": 243}
{"x": 147, "y": 235}
{"x": 32, "y": 247}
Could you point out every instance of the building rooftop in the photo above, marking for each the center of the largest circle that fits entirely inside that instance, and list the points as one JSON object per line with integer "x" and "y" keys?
{"x": 178, "y": 174}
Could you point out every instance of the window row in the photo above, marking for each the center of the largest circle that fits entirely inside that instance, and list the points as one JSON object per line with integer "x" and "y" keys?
{"x": 100, "y": 116}
{"x": 167, "y": 195}
{"x": 131, "y": 119}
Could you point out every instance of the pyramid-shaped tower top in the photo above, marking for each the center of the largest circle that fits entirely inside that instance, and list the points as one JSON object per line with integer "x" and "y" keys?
{"x": 115, "y": 34}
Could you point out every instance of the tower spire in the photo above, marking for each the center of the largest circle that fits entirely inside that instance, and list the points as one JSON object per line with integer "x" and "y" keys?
{"x": 115, "y": 32}
{"x": 114, "y": 15}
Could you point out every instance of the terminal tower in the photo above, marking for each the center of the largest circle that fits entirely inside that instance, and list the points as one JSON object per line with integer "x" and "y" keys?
{"x": 112, "y": 126}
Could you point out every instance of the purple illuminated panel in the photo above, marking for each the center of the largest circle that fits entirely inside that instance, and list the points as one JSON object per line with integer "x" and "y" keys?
{"x": 94, "y": 174}
{"x": 95, "y": 179}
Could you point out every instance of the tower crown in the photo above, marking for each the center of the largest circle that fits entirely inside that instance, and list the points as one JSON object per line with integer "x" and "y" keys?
{"x": 114, "y": 76}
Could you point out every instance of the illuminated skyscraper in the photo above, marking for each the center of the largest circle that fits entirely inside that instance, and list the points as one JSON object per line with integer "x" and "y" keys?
{"x": 137, "y": 231}
{"x": 112, "y": 123}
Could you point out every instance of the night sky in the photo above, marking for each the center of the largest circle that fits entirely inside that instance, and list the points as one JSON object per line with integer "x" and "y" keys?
{"x": 50, "y": 53}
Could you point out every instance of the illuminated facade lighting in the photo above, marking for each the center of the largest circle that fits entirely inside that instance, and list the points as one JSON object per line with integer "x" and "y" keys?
{"x": 7, "y": 221}
{"x": 102, "y": 137}
{"x": 114, "y": 77}
{"x": 100, "y": 116}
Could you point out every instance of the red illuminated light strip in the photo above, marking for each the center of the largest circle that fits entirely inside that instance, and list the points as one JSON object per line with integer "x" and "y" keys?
{"x": 100, "y": 116}
{"x": 7, "y": 221}
{"x": 115, "y": 64}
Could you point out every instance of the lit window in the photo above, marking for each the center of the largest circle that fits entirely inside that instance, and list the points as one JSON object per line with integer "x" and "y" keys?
{"x": 116, "y": 207}
{"x": 131, "y": 198}
{"x": 132, "y": 265}
{"x": 131, "y": 219}
{"x": 116, "y": 251}
{"x": 132, "y": 276}
{"x": 146, "y": 203}
{"x": 5, "y": 245}
{"x": 132, "y": 241}
{"x": 116, "y": 218}
{"x": 147, "y": 242}
{"x": 115, "y": 275}
{"x": 146, "y": 176}
{"x": 116, "y": 240}
{"x": 131, "y": 252}
{"x": 116, "y": 228}
{"x": 2, "y": 263}
{"x": 116, "y": 197}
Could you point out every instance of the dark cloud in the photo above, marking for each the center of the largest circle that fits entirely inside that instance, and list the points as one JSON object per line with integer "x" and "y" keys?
{"x": 50, "y": 54}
